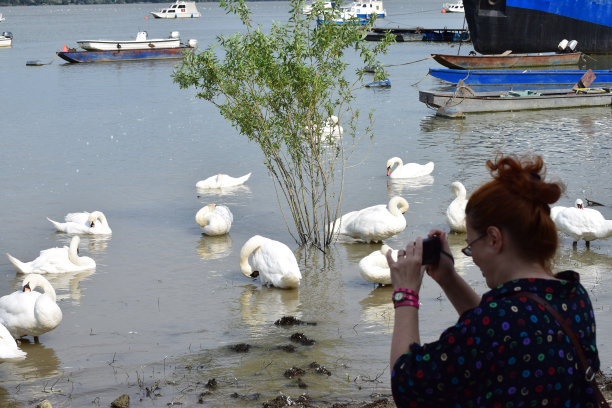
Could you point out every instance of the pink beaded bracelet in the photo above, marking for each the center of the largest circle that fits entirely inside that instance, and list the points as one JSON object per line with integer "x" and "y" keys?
{"x": 410, "y": 302}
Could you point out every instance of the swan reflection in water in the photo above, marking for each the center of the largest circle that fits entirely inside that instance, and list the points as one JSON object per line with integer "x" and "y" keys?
{"x": 214, "y": 247}
{"x": 377, "y": 309}
{"x": 66, "y": 285}
{"x": 96, "y": 244}
{"x": 406, "y": 186}
{"x": 40, "y": 362}
{"x": 223, "y": 191}
{"x": 263, "y": 306}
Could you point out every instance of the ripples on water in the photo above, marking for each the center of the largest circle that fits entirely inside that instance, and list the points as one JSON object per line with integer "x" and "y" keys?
{"x": 165, "y": 302}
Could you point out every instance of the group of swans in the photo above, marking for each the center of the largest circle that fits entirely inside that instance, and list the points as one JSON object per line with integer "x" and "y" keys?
{"x": 27, "y": 312}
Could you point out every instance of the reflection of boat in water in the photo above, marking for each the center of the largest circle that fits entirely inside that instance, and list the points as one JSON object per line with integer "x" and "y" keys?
{"x": 214, "y": 247}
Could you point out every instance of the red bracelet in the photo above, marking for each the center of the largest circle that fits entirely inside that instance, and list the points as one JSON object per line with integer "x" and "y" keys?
{"x": 401, "y": 294}
{"x": 411, "y": 302}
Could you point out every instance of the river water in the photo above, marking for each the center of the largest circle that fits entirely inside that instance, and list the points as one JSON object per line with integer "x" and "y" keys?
{"x": 158, "y": 317}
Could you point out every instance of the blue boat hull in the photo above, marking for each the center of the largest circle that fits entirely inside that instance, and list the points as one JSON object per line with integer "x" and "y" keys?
{"x": 527, "y": 77}
{"x": 74, "y": 56}
{"x": 525, "y": 26}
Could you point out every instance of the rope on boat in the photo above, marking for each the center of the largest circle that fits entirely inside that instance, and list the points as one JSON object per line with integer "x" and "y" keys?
{"x": 406, "y": 63}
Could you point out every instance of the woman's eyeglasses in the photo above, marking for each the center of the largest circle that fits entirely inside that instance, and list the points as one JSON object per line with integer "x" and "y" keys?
{"x": 468, "y": 249}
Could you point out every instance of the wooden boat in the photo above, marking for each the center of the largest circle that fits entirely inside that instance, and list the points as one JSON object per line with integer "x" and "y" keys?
{"x": 74, "y": 56}
{"x": 508, "y": 60}
{"x": 420, "y": 34}
{"x": 141, "y": 41}
{"x": 518, "y": 77}
{"x": 179, "y": 9}
{"x": 465, "y": 100}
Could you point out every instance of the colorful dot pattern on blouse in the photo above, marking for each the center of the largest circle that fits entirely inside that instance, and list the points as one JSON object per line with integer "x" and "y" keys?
{"x": 507, "y": 352}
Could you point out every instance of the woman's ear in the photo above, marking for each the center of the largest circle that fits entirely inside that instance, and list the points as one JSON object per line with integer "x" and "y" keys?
{"x": 495, "y": 238}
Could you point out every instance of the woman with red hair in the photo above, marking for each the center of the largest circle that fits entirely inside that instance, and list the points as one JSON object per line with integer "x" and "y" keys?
{"x": 507, "y": 349}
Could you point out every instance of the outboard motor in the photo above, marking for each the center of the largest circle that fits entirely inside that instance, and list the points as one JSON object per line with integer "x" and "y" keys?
{"x": 7, "y": 34}
{"x": 563, "y": 45}
{"x": 572, "y": 45}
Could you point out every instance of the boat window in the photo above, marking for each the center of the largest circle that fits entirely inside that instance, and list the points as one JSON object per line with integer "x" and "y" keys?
{"x": 171, "y": 11}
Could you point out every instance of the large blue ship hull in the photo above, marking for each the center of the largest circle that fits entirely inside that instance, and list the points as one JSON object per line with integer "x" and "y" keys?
{"x": 125, "y": 55}
{"x": 525, "y": 26}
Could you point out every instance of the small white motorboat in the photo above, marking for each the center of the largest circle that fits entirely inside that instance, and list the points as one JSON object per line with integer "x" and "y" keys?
{"x": 141, "y": 42}
{"x": 453, "y": 7}
{"x": 6, "y": 39}
{"x": 180, "y": 9}
{"x": 365, "y": 9}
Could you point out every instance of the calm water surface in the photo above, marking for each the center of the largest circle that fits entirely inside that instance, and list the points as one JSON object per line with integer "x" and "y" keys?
{"x": 165, "y": 302}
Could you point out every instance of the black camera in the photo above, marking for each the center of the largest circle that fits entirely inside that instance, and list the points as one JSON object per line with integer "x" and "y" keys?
{"x": 432, "y": 247}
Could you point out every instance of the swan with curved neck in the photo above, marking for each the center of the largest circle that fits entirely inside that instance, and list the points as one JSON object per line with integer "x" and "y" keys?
{"x": 272, "y": 261}
{"x": 84, "y": 223}
{"x": 214, "y": 219}
{"x": 455, "y": 213}
{"x": 27, "y": 312}
{"x": 408, "y": 170}
{"x": 222, "y": 181}
{"x": 373, "y": 224}
{"x": 56, "y": 260}
{"x": 375, "y": 268}
{"x": 581, "y": 223}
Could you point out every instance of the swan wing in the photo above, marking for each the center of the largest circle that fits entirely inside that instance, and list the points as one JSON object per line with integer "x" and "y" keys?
{"x": 219, "y": 221}
{"x": 8, "y": 346}
{"x": 374, "y": 267}
{"x": 17, "y": 312}
{"x": 374, "y": 224}
{"x": 412, "y": 170}
{"x": 277, "y": 265}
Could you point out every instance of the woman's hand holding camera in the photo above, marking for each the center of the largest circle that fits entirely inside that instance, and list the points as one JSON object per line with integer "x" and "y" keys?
{"x": 407, "y": 271}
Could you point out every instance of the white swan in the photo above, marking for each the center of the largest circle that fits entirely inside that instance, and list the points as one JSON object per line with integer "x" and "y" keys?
{"x": 581, "y": 223}
{"x": 56, "y": 260}
{"x": 373, "y": 224}
{"x": 408, "y": 170}
{"x": 332, "y": 127}
{"x": 272, "y": 261}
{"x": 84, "y": 223}
{"x": 222, "y": 181}
{"x": 8, "y": 346}
{"x": 29, "y": 313}
{"x": 455, "y": 213}
{"x": 374, "y": 267}
{"x": 214, "y": 219}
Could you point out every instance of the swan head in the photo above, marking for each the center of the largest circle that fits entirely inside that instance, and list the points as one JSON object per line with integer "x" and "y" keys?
{"x": 247, "y": 249}
{"x": 332, "y": 121}
{"x": 391, "y": 162}
{"x": 34, "y": 280}
{"x": 579, "y": 204}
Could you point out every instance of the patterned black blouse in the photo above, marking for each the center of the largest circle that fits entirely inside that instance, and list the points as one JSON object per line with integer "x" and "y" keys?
{"x": 506, "y": 352}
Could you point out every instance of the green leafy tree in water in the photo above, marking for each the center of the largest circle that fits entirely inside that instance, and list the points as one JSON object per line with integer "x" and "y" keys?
{"x": 281, "y": 89}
